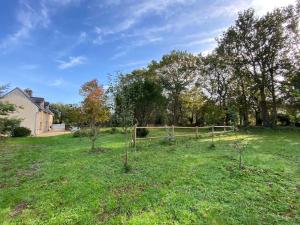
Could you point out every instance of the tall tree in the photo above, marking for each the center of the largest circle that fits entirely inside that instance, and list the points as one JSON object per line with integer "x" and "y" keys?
{"x": 216, "y": 78}
{"x": 145, "y": 95}
{"x": 177, "y": 72}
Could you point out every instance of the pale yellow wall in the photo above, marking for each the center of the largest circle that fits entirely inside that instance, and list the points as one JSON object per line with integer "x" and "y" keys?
{"x": 37, "y": 121}
{"x": 50, "y": 120}
{"x": 27, "y": 112}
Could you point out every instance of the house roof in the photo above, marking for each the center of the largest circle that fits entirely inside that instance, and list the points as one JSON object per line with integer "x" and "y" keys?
{"x": 35, "y": 100}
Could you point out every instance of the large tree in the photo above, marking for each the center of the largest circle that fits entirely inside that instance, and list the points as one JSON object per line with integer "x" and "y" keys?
{"x": 257, "y": 47}
{"x": 177, "y": 72}
{"x": 145, "y": 96}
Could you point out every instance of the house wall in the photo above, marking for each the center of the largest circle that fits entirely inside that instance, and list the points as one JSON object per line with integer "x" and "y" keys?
{"x": 26, "y": 110}
{"x": 44, "y": 122}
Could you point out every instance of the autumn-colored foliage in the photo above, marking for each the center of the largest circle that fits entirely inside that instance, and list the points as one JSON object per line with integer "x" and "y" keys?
{"x": 93, "y": 107}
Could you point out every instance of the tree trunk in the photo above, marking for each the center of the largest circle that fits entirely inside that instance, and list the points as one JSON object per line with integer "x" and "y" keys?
{"x": 264, "y": 108}
{"x": 258, "y": 121}
{"x": 274, "y": 104}
{"x": 126, "y": 150}
{"x": 93, "y": 134}
{"x": 245, "y": 107}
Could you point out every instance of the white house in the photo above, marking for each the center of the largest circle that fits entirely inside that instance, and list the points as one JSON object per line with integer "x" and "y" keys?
{"x": 33, "y": 111}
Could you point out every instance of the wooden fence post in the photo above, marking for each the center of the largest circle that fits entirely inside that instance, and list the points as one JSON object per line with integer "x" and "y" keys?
{"x": 173, "y": 132}
{"x": 134, "y": 135}
{"x": 197, "y": 132}
{"x": 212, "y": 133}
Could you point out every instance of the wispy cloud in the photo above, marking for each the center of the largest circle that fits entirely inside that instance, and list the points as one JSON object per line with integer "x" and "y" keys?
{"x": 29, "y": 66}
{"x": 119, "y": 54}
{"x": 73, "y": 61}
{"x": 137, "y": 11}
{"x": 98, "y": 40}
{"x": 138, "y": 63}
{"x": 30, "y": 16}
{"x": 135, "y": 44}
{"x": 82, "y": 37}
{"x": 198, "y": 42}
{"x": 58, "y": 82}
{"x": 264, "y": 6}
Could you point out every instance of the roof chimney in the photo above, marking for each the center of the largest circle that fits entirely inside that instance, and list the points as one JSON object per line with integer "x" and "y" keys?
{"x": 28, "y": 91}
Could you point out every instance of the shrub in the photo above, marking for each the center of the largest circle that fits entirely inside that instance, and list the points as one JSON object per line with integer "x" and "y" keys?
{"x": 21, "y": 132}
{"x": 113, "y": 130}
{"x": 283, "y": 119}
{"x": 142, "y": 132}
{"x": 82, "y": 133}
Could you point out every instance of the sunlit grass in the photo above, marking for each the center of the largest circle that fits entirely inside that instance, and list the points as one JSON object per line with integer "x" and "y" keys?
{"x": 57, "y": 180}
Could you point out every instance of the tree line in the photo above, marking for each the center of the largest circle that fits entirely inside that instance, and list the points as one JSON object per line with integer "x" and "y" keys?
{"x": 252, "y": 77}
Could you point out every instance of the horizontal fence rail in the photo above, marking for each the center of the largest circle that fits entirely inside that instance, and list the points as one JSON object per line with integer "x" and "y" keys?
{"x": 172, "y": 134}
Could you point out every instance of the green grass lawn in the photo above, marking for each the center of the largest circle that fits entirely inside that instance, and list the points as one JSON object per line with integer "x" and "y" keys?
{"x": 56, "y": 180}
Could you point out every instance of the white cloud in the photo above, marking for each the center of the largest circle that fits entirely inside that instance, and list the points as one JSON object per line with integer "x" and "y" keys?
{"x": 33, "y": 15}
{"x": 73, "y": 61}
{"x": 82, "y": 37}
{"x": 135, "y": 44}
{"x": 98, "y": 40}
{"x": 141, "y": 63}
{"x": 28, "y": 18}
{"x": 29, "y": 66}
{"x": 263, "y": 6}
{"x": 138, "y": 10}
{"x": 198, "y": 42}
{"x": 231, "y": 8}
{"x": 58, "y": 82}
{"x": 118, "y": 55}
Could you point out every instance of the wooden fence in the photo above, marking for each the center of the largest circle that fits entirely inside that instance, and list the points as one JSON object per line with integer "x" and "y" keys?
{"x": 173, "y": 135}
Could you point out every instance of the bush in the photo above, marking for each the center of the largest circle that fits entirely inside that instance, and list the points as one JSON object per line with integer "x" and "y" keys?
{"x": 113, "y": 130}
{"x": 82, "y": 133}
{"x": 283, "y": 119}
{"x": 142, "y": 132}
{"x": 21, "y": 132}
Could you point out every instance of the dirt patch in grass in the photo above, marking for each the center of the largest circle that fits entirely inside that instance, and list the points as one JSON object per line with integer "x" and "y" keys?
{"x": 107, "y": 213}
{"x": 3, "y": 185}
{"x": 29, "y": 172}
{"x": 99, "y": 150}
{"x": 130, "y": 189}
{"x": 19, "y": 209}
{"x": 130, "y": 192}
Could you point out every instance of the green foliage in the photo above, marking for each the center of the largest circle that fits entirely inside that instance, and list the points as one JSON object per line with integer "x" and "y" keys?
{"x": 70, "y": 114}
{"x": 7, "y": 124}
{"x": 84, "y": 132}
{"x": 140, "y": 94}
{"x": 21, "y": 132}
{"x": 250, "y": 76}
{"x": 93, "y": 107}
{"x": 113, "y": 130}
{"x": 142, "y": 132}
{"x": 212, "y": 114}
{"x": 177, "y": 71}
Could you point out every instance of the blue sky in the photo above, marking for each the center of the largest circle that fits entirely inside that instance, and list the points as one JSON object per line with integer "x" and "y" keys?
{"x": 53, "y": 46}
